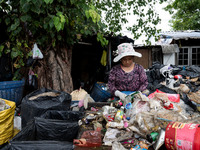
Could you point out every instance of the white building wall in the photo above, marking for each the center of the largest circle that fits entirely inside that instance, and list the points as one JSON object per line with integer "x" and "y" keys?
{"x": 169, "y": 58}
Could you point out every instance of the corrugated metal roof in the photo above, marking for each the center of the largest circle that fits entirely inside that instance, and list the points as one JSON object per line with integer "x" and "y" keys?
{"x": 181, "y": 35}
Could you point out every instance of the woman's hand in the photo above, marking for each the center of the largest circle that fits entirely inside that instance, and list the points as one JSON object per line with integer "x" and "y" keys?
{"x": 121, "y": 95}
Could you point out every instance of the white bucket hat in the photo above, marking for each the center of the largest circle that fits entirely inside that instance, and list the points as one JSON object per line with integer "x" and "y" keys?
{"x": 125, "y": 49}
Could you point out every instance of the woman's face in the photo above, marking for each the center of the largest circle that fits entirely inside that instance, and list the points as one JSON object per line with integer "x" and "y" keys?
{"x": 127, "y": 61}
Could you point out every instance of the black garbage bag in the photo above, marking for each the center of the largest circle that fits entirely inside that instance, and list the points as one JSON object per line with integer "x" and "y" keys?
{"x": 193, "y": 74}
{"x": 38, "y": 102}
{"x": 186, "y": 100}
{"x": 39, "y": 145}
{"x": 63, "y": 115}
{"x": 176, "y": 70}
{"x": 191, "y": 71}
{"x": 152, "y": 88}
{"x": 156, "y": 65}
{"x": 194, "y": 68}
{"x": 154, "y": 76}
{"x": 165, "y": 89}
{"x": 48, "y": 129}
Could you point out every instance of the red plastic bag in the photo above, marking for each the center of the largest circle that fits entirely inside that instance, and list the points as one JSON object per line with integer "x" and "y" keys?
{"x": 153, "y": 94}
{"x": 89, "y": 139}
{"x": 172, "y": 97}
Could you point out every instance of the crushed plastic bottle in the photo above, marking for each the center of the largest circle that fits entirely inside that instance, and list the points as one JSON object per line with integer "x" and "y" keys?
{"x": 128, "y": 110}
{"x": 130, "y": 98}
{"x": 119, "y": 114}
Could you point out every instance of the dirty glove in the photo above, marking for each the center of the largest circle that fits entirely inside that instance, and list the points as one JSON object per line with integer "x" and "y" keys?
{"x": 120, "y": 95}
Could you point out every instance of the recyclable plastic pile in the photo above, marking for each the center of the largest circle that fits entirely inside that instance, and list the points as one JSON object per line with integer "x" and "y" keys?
{"x": 138, "y": 122}
{"x": 159, "y": 118}
{"x": 3, "y": 105}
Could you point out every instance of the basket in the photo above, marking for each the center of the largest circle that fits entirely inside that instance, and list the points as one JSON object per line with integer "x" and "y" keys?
{"x": 12, "y": 90}
{"x": 98, "y": 93}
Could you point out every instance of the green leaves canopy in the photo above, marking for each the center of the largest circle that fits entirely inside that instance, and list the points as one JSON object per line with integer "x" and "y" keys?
{"x": 186, "y": 14}
{"x": 57, "y": 23}
{"x": 49, "y": 21}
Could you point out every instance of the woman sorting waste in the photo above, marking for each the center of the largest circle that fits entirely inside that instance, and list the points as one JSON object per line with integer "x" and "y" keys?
{"x": 128, "y": 75}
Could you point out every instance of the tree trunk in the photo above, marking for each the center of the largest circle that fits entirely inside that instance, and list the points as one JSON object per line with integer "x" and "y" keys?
{"x": 54, "y": 71}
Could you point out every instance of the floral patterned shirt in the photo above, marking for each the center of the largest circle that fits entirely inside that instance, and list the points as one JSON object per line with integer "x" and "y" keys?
{"x": 136, "y": 80}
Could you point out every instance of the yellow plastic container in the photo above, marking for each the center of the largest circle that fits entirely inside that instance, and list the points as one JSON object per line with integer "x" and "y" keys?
{"x": 7, "y": 122}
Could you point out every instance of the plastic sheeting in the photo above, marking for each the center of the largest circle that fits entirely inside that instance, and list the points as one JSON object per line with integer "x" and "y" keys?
{"x": 171, "y": 48}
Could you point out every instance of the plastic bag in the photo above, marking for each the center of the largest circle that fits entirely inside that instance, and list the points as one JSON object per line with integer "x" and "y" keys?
{"x": 3, "y": 105}
{"x": 144, "y": 121}
{"x": 117, "y": 146}
{"x": 194, "y": 96}
{"x": 63, "y": 115}
{"x": 118, "y": 125}
{"x": 112, "y": 135}
{"x": 137, "y": 107}
{"x": 171, "y": 97}
{"x": 48, "y": 129}
{"x": 97, "y": 126}
{"x": 86, "y": 100}
{"x": 37, "y": 54}
{"x": 78, "y": 94}
{"x": 7, "y": 122}
{"x": 89, "y": 139}
{"x": 109, "y": 113}
{"x": 38, "y": 102}
{"x": 32, "y": 83}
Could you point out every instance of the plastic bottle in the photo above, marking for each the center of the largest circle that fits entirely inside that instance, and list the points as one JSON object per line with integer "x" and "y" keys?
{"x": 183, "y": 67}
{"x": 152, "y": 136}
{"x": 128, "y": 110}
{"x": 119, "y": 114}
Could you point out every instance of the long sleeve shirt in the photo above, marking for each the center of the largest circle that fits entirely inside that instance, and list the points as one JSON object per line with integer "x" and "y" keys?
{"x": 136, "y": 80}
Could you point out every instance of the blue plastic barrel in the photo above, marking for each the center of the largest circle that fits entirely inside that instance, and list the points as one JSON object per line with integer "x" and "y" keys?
{"x": 12, "y": 90}
{"x": 99, "y": 94}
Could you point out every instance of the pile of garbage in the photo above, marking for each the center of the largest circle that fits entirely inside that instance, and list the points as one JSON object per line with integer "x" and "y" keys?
{"x": 3, "y": 105}
{"x": 165, "y": 116}
{"x": 150, "y": 119}
{"x": 176, "y": 79}
{"x": 137, "y": 122}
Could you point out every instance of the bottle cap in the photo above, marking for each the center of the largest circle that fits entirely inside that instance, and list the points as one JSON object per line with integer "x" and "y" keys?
{"x": 128, "y": 106}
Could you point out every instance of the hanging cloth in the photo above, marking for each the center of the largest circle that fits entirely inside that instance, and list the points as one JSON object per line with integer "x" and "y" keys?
{"x": 104, "y": 58}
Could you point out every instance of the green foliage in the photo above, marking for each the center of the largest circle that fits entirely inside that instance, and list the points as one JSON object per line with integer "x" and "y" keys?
{"x": 51, "y": 23}
{"x": 59, "y": 21}
{"x": 103, "y": 41}
{"x": 1, "y": 49}
{"x": 48, "y": 1}
{"x": 92, "y": 12}
{"x": 186, "y": 14}
{"x": 144, "y": 18}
